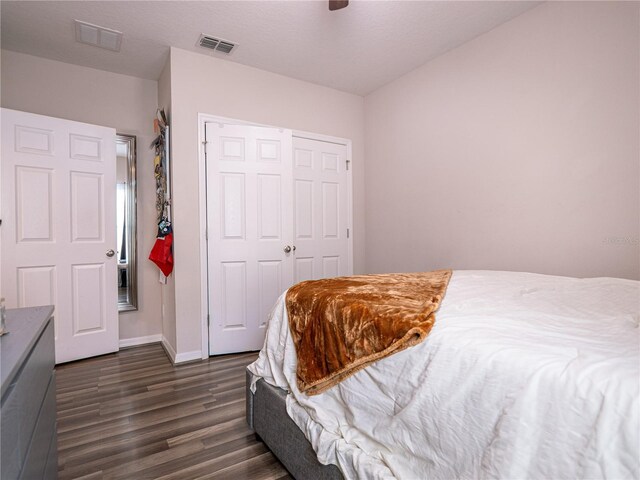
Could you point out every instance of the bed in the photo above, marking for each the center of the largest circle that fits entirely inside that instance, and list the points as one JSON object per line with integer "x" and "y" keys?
{"x": 523, "y": 376}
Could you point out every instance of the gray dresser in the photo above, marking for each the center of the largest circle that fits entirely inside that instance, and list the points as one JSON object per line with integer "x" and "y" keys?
{"x": 28, "y": 447}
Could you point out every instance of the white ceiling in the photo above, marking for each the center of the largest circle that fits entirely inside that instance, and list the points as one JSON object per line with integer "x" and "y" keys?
{"x": 358, "y": 49}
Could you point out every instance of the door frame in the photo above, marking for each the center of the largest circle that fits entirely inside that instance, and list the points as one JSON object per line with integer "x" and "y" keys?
{"x": 204, "y": 118}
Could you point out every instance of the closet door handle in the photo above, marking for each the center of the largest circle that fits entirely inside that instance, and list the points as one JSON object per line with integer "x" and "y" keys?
{"x": 287, "y": 249}
{"x": 110, "y": 253}
{"x": 294, "y": 249}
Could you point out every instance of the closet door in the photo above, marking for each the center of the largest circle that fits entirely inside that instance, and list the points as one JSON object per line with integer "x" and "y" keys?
{"x": 321, "y": 210}
{"x": 249, "y": 227}
{"x": 59, "y": 228}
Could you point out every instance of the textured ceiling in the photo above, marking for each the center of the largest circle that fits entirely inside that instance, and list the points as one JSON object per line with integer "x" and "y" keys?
{"x": 358, "y": 49}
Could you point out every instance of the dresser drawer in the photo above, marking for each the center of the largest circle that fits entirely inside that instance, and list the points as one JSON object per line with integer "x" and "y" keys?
{"x": 43, "y": 435}
{"x": 51, "y": 467}
{"x": 22, "y": 403}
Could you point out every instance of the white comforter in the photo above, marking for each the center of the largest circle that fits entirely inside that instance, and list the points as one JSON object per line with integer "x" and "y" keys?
{"x": 523, "y": 376}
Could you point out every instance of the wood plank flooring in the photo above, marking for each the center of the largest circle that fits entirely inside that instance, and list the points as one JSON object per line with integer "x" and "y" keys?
{"x": 133, "y": 415}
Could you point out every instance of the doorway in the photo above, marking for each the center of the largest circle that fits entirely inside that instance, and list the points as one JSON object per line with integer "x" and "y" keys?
{"x": 278, "y": 211}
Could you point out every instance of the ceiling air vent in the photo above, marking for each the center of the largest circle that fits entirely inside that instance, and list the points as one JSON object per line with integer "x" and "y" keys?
{"x": 225, "y": 47}
{"x": 98, "y": 36}
{"x": 216, "y": 44}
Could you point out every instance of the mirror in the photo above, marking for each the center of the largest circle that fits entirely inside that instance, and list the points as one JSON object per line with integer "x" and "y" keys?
{"x": 126, "y": 222}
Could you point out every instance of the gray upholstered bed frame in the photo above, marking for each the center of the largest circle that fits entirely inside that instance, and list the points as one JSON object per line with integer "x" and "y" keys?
{"x": 267, "y": 416}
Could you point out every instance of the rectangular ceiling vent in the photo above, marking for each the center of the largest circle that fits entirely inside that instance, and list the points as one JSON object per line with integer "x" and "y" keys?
{"x": 98, "y": 36}
{"x": 216, "y": 44}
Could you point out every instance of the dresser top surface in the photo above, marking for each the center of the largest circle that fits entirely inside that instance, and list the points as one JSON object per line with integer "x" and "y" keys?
{"x": 24, "y": 326}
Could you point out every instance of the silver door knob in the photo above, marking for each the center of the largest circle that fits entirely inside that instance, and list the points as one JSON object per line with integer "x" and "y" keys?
{"x": 110, "y": 253}
{"x": 287, "y": 249}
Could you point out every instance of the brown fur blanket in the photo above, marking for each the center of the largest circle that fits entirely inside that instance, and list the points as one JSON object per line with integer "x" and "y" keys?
{"x": 341, "y": 325}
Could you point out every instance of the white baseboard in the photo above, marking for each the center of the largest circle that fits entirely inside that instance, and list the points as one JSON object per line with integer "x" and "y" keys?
{"x": 188, "y": 356}
{"x": 173, "y": 356}
{"x": 169, "y": 349}
{"x": 180, "y": 357}
{"x": 132, "y": 342}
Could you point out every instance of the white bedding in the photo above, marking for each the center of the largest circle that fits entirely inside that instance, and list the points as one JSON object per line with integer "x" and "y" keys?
{"x": 523, "y": 376}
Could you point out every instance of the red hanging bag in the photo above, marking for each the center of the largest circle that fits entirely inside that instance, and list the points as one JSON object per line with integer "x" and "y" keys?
{"x": 161, "y": 254}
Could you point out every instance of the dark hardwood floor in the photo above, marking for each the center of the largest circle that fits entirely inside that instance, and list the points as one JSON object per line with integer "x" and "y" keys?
{"x": 134, "y": 415}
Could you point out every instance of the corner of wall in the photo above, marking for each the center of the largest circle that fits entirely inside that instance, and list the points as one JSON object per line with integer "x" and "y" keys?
{"x": 169, "y": 349}
{"x": 168, "y": 309}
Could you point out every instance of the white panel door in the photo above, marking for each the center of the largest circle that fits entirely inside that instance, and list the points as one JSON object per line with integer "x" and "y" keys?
{"x": 321, "y": 210}
{"x": 249, "y": 224}
{"x": 58, "y": 224}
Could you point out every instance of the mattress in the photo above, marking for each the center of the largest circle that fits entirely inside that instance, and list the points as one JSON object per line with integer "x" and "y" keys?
{"x": 523, "y": 376}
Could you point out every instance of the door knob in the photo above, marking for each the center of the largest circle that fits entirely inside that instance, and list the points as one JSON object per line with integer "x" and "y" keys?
{"x": 287, "y": 249}
{"x": 294, "y": 249}
{"x": 110, "y": 253}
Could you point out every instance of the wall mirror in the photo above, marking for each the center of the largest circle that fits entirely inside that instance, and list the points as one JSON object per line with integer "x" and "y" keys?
{"x": 126, "y": 222}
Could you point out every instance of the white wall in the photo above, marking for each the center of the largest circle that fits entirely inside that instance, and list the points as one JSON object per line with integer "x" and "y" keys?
{"x": 201, "y": 83}
{"x": 516, "y": 151}
{"x": 128, "y": 104}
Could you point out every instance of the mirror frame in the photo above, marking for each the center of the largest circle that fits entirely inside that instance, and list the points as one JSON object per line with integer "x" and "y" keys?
{"x": 132, "y": 285}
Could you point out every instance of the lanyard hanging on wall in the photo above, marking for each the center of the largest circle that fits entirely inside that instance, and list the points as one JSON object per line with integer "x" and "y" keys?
{"x": 162, "y": 251}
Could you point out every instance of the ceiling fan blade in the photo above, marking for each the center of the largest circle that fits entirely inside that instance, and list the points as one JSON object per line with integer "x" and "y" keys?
{"x": 337, "y": 4}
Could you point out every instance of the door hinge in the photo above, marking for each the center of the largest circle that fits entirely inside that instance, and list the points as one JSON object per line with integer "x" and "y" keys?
{"x": 347, "y": 233}
{"x": 348, "y": 162}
